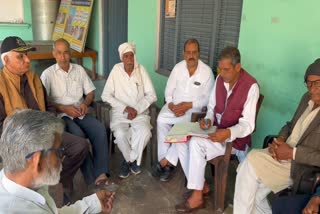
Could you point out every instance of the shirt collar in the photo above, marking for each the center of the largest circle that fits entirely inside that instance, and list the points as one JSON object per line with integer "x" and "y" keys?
{"x": 21, "y": 191}
{"x": 58, "y": 68}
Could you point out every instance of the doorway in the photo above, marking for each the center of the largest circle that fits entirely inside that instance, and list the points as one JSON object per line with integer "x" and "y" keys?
{"x": 115, "y": 31}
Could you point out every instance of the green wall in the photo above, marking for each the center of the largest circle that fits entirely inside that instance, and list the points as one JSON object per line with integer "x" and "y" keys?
{"x": 142, "y": 30}
{"x": 278, "y": 40}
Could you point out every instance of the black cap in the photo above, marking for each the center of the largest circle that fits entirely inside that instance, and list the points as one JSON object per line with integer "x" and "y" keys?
{"x": 313, "y": 69}
{"x": 14, "y": 43}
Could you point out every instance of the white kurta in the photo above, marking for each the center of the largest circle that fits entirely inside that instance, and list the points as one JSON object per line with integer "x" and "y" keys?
{"x": 202, "y": 149}
{"x": 15, "y": 198}
{"x": 136, "y": 91}
{"x": 182, "y": 88}
{"x": 67, "y": 88}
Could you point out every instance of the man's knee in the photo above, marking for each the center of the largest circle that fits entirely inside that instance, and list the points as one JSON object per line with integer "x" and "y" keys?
{"x": 120, "y": 134}
{"x": 75, "y": 145}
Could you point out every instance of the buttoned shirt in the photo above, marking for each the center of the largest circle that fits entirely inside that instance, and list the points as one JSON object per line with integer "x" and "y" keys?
{"x": 67, "y": 88}
{"x": 15, "y": 198}
{"x": 122, "y": 90}
{"x": 246, "y": 123}
{"x": 181, "y": 87}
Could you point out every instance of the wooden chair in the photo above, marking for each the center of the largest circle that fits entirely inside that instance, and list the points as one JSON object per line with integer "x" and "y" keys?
{"x": 220, "y": 165}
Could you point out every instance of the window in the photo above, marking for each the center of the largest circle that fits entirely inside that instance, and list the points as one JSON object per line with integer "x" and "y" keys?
{"x": 215, "y": 23}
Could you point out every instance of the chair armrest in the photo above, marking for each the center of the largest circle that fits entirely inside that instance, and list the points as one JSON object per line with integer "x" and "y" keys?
{"x": 268, "y": 139}
{"x": 102, "y": 112}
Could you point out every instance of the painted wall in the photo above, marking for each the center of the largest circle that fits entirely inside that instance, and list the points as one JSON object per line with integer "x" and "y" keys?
{"x": 142, "y": 30}
{"x": 278, "y": 40}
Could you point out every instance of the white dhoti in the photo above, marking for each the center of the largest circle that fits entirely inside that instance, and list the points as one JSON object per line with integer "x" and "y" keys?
{"x": 131, "y": 136}
{"x": 166, "y": 119}
{"x": 257, "y": 176}
{"x": 201, "y": 150}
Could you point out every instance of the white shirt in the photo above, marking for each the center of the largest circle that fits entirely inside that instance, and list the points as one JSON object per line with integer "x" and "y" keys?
{"x": 183, "y": 88}
{"x": 15, "y": 198}
{"x": 67, "y": 88}
{"x": 122, "y": 90}
{"x": 246, "y": 123}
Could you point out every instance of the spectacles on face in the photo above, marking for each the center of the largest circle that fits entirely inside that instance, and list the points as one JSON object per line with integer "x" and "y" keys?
{"x": 315, "y": 83}
{"x": 59, "y": 152}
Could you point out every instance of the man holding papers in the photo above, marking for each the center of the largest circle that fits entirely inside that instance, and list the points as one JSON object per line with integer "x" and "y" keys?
{"x": 187, "y": 91}
{"x": 232, "y": 108}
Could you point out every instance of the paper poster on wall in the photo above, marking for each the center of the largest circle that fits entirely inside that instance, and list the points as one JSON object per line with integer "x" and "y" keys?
{"x": 170, "y": 8}
{"x": 72, "y": 22}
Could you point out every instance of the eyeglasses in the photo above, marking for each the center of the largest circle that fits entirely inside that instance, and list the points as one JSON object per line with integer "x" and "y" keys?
{"x": 59, "y": 152}
{"x": 315, "y": 83}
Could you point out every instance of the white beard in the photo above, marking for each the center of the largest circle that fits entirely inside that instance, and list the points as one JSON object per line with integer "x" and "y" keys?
{"x": 50, "y": 177}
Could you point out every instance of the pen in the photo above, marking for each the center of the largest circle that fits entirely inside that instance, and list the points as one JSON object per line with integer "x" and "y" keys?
{"x": 206, "y": 121}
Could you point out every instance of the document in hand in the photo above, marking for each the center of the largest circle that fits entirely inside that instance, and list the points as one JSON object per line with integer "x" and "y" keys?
{"x": 181, "y": 132}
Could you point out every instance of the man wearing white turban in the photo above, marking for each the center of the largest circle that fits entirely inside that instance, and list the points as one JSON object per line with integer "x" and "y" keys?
{"x": 130, "y": 92}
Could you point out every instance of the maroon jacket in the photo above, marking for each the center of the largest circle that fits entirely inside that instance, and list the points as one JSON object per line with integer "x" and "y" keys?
{"x": 232, "y": 111}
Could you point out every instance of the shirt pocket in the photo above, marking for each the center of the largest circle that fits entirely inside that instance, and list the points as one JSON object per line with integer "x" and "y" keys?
{"x": 75, "y": 89}
{"x": 197, "y": 88}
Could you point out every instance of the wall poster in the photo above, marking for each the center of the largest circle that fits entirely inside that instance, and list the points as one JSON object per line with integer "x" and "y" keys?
{"x": 72, "y": 22}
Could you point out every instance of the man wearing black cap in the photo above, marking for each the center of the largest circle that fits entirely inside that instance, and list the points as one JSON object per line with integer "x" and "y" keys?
{"x": 20, "y": 88}
{"x": 295, "y": 151}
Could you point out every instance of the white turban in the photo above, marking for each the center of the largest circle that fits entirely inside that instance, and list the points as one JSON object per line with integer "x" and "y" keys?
{"x": 125, "y": 48}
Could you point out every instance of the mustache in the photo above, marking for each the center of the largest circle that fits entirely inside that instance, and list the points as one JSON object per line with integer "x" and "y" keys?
{"x": 191, "y": 59}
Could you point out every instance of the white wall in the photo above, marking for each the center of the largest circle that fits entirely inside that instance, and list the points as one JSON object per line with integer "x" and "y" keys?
{"x": 11, "y": 11}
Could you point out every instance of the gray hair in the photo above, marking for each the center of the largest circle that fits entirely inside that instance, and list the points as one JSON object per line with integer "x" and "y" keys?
{"x": 231, "y": 53}
{"x": 61, "y": 40}
{"x": 2, "y": 57}
{"x": 25, "y": 132}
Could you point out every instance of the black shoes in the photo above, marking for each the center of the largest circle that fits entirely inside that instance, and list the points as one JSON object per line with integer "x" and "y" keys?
{"x": 164, "y": 173}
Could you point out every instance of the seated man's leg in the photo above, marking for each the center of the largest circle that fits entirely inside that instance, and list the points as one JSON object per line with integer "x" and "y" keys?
{"x": 87, "y": 166}
{"x": 73, "y": 128}
{"x": 200, "y": 150}
{"x": 167, "y": 155}
{"x": 290, "y": 204}
{"x": 122, "y": 139}
{"x": 250, "y": 193}
{"x": 97, "y": 135}
{"x": 162, "y": 131}
{"x": 140, "y": 136}
{"x": 76, "y": 150}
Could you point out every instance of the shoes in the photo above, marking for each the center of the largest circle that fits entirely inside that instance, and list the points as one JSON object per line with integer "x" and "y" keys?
{"x": 124, "y": 169}
{"x": 167, "y": 173}
{"x": 157, "y": 170}
{"x": 135, "y": 169}
{"x": 187, "y": 194}
{"x": 185, "y": 207}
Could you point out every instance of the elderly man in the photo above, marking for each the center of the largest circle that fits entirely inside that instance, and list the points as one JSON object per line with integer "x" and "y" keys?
{"x": 130, "y": 92}
{"x": 232, "y": 108}
{"x": 295, "y": 150}
{"x": 187, "y": 91}
{"x": 31, "y": 152}
{"x": 66, "y": 83}
{"x": 21, "y": 88}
